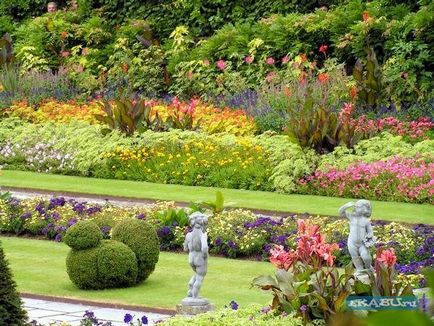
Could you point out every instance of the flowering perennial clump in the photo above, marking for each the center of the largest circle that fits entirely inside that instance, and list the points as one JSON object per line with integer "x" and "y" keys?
{"x": 397, "y": 179}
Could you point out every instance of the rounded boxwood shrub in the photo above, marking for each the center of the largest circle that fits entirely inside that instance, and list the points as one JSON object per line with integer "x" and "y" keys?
{"x": 117, "y": 264}
{"x": 108, "y": 264}
{"x": 142, "y": 238}
{"x": 83, "y": 235}
{"x": 81, "y": 266}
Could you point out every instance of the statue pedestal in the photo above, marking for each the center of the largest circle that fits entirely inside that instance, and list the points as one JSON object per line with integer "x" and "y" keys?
{"x": 193, "y": 306}
{"x": 363, "y": 277}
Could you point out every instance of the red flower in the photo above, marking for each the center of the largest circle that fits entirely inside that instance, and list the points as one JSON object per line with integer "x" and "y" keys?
{"x": 125, "y": 68}
{"x": 365, "y": 16}
{"x": 353, "y": 92}
{"x": 281, "y": 258}
{"x": 387, "y": 257}
{"x": 323, "y": 48}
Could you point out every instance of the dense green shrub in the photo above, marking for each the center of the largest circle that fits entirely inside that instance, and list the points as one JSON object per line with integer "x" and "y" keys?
{"x": 93, "y": 263}
{"x": 142, "y": 238}
{"x": 83, "y": 235}
{"x": 395, "y": 32}
{"x": 117, "y": 264}
{"x": 81, "y": 266}
{"x": 11, "y": 310}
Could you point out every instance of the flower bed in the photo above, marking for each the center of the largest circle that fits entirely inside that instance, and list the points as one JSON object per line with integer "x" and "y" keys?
{"x": 397, "y": 179}
{"x": 232, "y": 233}
{"x": 266, "y": 162}
{"x": 207, "y": 118}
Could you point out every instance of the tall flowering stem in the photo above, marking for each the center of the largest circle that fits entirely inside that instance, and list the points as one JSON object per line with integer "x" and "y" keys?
{"x": 307, "y": 281}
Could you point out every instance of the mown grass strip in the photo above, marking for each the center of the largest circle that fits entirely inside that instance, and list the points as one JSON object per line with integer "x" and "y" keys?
{"x": 403, "y": 212}
{"x": 38, "y": 267}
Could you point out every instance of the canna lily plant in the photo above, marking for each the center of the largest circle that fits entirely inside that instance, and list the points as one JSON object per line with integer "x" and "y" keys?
{"x": 383, "y": 283}
{"x": 306, "y": 281}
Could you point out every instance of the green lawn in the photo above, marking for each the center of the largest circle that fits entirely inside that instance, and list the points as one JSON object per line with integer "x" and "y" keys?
{"x": 38, "y": 267}
{"x": 404, "y": 212}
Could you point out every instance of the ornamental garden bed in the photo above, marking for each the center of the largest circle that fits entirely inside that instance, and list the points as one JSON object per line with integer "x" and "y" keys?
{"x": 234, "y": 233}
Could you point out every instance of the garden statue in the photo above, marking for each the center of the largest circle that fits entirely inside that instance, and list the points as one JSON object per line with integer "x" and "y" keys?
{"x": 196, "y": 243}
{"x": 361, "y": 236}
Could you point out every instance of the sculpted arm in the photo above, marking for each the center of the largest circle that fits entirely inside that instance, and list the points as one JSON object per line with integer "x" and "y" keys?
{"x": 343, "y": 210}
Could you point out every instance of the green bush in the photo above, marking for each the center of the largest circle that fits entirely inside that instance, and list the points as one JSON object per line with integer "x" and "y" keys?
{"x": 81, "y": 266}
{"x": 142, "y": 238}
{"x": 11, "y": 311}
{"x": 117, "y": 264}
{"x": 83, "y": 235}
{"x": 97, "y": 264}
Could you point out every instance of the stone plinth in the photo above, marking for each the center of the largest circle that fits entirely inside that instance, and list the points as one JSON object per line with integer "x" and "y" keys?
{"x": 193, "y": 306}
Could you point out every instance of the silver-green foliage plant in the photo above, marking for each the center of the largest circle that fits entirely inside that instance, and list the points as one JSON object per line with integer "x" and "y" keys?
{"x": 80, "y": 140}
{"x": 290, "y": 162}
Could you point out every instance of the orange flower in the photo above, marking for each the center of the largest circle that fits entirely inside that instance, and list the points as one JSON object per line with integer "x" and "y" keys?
{"x": 365, "y": 16}
{"x": 323, "y": 77}
{"x": 63, "y": 35}
{"x": 353, "y": 92}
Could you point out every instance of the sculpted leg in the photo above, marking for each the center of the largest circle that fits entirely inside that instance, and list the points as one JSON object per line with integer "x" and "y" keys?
{"x": 354, "y": 252}
{"x": 190, "y": 286}
{"x": 366, "y": 257}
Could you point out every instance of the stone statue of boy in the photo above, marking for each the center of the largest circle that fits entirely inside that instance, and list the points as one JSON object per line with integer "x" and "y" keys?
{"x": 196, "y": 243}
{"x": 361, "y": 234}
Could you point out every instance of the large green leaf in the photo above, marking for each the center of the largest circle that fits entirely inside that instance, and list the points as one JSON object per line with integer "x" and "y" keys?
{"x": 265, "y": 282}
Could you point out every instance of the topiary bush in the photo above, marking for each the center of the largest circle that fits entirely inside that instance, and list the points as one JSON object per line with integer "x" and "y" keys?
{"x": 117, "y": 265}
{"x": 11, "y": 311}
{"x": 81, "y": 266}
{"x": 83, "y": 235}
{"x": 97, "y": 264}
{"x": 142, "y": 238}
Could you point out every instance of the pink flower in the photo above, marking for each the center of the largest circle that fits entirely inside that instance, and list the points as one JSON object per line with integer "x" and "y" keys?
{"x": 269, "y": 61}
{"x": 387, "y": 257}
{"x": 285, "y": 59}
{"x": 270, "y": 76}
{"x": 221, "y": 64}
{"x": 249, "y": 59}
{"x": 65, "y": 54}
{"x": 205, "y": 62}
{"x": 281, "y": 258}
{"x": 323, "y": 48}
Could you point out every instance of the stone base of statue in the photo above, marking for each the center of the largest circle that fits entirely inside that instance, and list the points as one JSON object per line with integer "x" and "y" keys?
{"x": 363, "y": 276}
{"x": 193, "y": 306}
